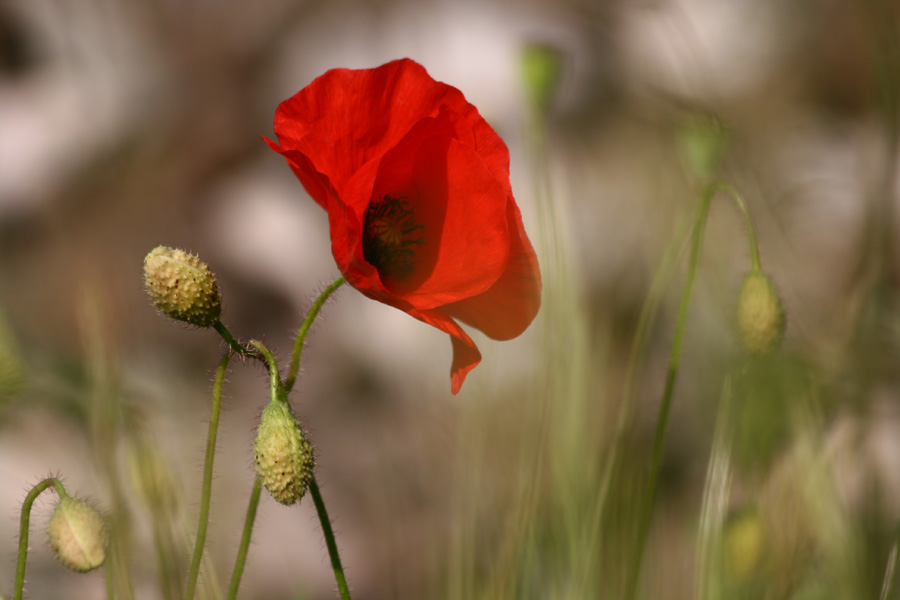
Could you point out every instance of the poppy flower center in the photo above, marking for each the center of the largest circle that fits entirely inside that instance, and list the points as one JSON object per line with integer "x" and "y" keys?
{"x": 391, "y": 236}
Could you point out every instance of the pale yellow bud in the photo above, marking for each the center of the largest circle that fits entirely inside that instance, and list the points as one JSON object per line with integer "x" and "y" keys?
{"x": 78, "y": 535}
{"x": 759, "y": 315}
{"x": 284, "y": 457}
{"x": 182, "y": 286}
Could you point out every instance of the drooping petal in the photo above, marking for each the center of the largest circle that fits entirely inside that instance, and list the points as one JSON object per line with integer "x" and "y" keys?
{"x": 465, "y": 353}
{"x": 316, "y": 184}
{"x": 420, "y": 208}
{"x": 506, "y": 309}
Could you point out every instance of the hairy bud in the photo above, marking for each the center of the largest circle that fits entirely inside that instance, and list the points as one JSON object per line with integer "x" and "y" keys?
{"x": 78, "y": 535}
{"x": 759, "y": 315}
{"x": 182, "y": 286}
{"x": 284, "y": 457}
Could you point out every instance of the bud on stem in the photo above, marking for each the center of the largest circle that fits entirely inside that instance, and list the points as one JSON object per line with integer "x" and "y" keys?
{"x": 182, "y": 286}
{"x": 284, "y": 457}
{"x": 78, "y": 535}
{"x": 759, "y": 315}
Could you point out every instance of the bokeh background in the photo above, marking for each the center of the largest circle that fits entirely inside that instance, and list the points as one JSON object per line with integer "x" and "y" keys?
{"x": 124, "y": 125}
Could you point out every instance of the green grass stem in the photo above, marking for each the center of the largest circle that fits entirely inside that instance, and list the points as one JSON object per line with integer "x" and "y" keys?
{"x": 206, "y": 493}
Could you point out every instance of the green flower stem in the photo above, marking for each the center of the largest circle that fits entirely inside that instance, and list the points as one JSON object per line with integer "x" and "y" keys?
{"x": 230, "y": 339}
{"x": 241, "y": 560}
{"x": 24, "y": 521}
{"x": 304, "y": 329}
{"x": 207, "y": 477}
{"x": 256, "y": 349}
{"x": 671, "y": 375}
{"x": 748, "y": 221}
{"x": 268, "y": 358}
{"x": 252, "y": 349}
{"x": 329, "y": 539}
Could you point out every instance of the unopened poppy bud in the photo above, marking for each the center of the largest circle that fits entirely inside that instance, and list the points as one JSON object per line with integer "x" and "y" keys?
{"x": 744, "y": 544}
{"x": 284, "y": 457}
{"x": 541, "y": 69}
{"x": 703, "y": 141}
{"x": 78, "y": 535}
{"x": 182, "y": 286}
{"x": 759, "y": 315}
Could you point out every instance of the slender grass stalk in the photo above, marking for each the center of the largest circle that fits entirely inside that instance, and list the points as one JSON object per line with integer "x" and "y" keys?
{"x": 110, "y": 583}
{"x": 624, "y": 419}
{"x": 24, "y": 521}
{"x": 891, "y": 568}
{"x": 162, "y": 558}
{"x": 311, "y": 315}
{"x": 203, "y": 521}
{"x": 716, "y": 492}
{"x": 244, "y": 546}
{"x": 107, "y": 413}
{"x": 329, "y": 539}
{"x": 674, "y": 361}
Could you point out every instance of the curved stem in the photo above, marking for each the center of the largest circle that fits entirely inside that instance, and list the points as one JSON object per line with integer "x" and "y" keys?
{"x": 304, "y": 329}
{"x": 329, "y": 539}
{"x": 244, "y": 547}
{"x": 24, "y": 521}
{"x": 671, "y": 375}
{"x": 235, "y": 345}
{"x": 207, "y": 477}
{"x": 268, "y": 358}
{"x": 748, "y": 221}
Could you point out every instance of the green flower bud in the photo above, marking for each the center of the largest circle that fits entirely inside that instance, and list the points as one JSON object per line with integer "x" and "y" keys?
{"x": 744, "y": 544}
{"x": 703, "y": 141}
{"x": 182, "y": 286}
{"x": 78, "y": 535}
{"x": 284, "y": 457}
{"x": 541, "y": 69}
{"x": 759, "y": 315}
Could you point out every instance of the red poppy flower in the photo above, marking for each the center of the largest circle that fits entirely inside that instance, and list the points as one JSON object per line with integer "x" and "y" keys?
{"x": 421, "y": 212}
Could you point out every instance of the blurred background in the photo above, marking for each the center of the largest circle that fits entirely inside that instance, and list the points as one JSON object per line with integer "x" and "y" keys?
{"x": 125, "y": 125}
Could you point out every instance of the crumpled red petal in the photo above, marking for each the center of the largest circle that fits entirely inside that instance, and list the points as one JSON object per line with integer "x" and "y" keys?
{"x": 465, "y": 353}
{"x": 506, "y": 309}
{"x": 355, "y": 137}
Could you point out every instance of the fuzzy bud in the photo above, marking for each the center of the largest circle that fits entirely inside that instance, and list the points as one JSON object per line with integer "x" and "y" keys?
{"x": 182, "y": 286}
{"x": 284, "y": 457}
{"x": 759, "y": 315}
{"x": 78, "y": 535}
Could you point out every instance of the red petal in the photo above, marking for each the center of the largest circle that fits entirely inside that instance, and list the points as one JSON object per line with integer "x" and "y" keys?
{"x": 345, "y": 118}
{"x": 510, "y": 305}
{"x": 465, "y": 353}
{"x": 462, "y": 208}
